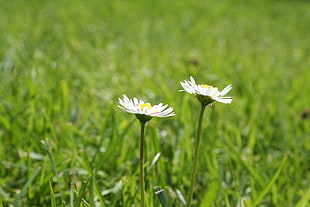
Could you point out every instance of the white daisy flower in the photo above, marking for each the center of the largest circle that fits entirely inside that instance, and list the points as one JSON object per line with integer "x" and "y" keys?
{"x": 144, "y": 111}
{"x": 207, "y": 94}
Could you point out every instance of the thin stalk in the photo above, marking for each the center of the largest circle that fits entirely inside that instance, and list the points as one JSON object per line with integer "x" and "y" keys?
{"x": 142, "y": 164}
{"x": 194, "y": 170}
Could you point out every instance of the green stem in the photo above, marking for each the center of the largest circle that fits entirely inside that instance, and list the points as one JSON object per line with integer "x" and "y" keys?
{"x": 142, "y": 163}
{"x": 194, "y": 170}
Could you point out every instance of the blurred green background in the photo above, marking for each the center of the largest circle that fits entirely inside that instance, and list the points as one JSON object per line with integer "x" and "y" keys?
{"x": 63, "y": 64}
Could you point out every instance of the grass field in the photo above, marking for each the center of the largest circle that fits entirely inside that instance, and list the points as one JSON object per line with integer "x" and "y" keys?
{"x": 64, "y": 64}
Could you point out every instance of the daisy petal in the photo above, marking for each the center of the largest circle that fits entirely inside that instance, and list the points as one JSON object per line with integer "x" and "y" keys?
{"x": 139, "y": 107}
{"x": 206, "y": 94}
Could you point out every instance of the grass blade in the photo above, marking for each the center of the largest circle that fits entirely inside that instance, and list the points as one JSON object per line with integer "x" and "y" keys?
{"x": 53, "y": 200}
{"x": 24, "y": 189}
{"x": 211, "y": 193}
{"x": 81, "y": 194}
{"x": 162, "y": 196}
{"x": 248, "y": 166}
{"x": 304, "y": 201}
{"x": 154, "y": 161}
{"x": 270, "y": 184}
{"x": 71, "y": 194}
{"x": 1, "y": 204}
{"x": 180, "y": 196}
{"x": 86, "y": 163}
{"x": 49, "y": 152}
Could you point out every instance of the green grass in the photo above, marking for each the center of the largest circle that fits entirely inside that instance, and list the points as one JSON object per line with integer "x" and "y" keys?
{"x": 63, "y": 64}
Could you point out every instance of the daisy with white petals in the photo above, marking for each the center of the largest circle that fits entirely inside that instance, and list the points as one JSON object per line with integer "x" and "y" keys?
{"x": 144, "y": 112}
{"x": 206, "y": 94}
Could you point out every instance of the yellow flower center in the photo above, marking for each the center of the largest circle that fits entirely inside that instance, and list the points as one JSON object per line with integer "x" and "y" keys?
{"x": 206, "y": 86}
{"x": 142, "y": 106}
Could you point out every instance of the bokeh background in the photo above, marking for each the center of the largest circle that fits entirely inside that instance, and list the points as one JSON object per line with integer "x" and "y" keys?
{"x": 64, "y": 64}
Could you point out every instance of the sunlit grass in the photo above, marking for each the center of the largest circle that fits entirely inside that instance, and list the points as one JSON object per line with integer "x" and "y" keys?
{"x": 63, "y": 66}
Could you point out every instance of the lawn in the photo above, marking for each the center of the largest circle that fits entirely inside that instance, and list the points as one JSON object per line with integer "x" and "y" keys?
{"x": 64, "y": 64}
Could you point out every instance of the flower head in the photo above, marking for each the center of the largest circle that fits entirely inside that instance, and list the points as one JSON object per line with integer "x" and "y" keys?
{"x": 144, "y": 111}
{"x": 206, "y": 94}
